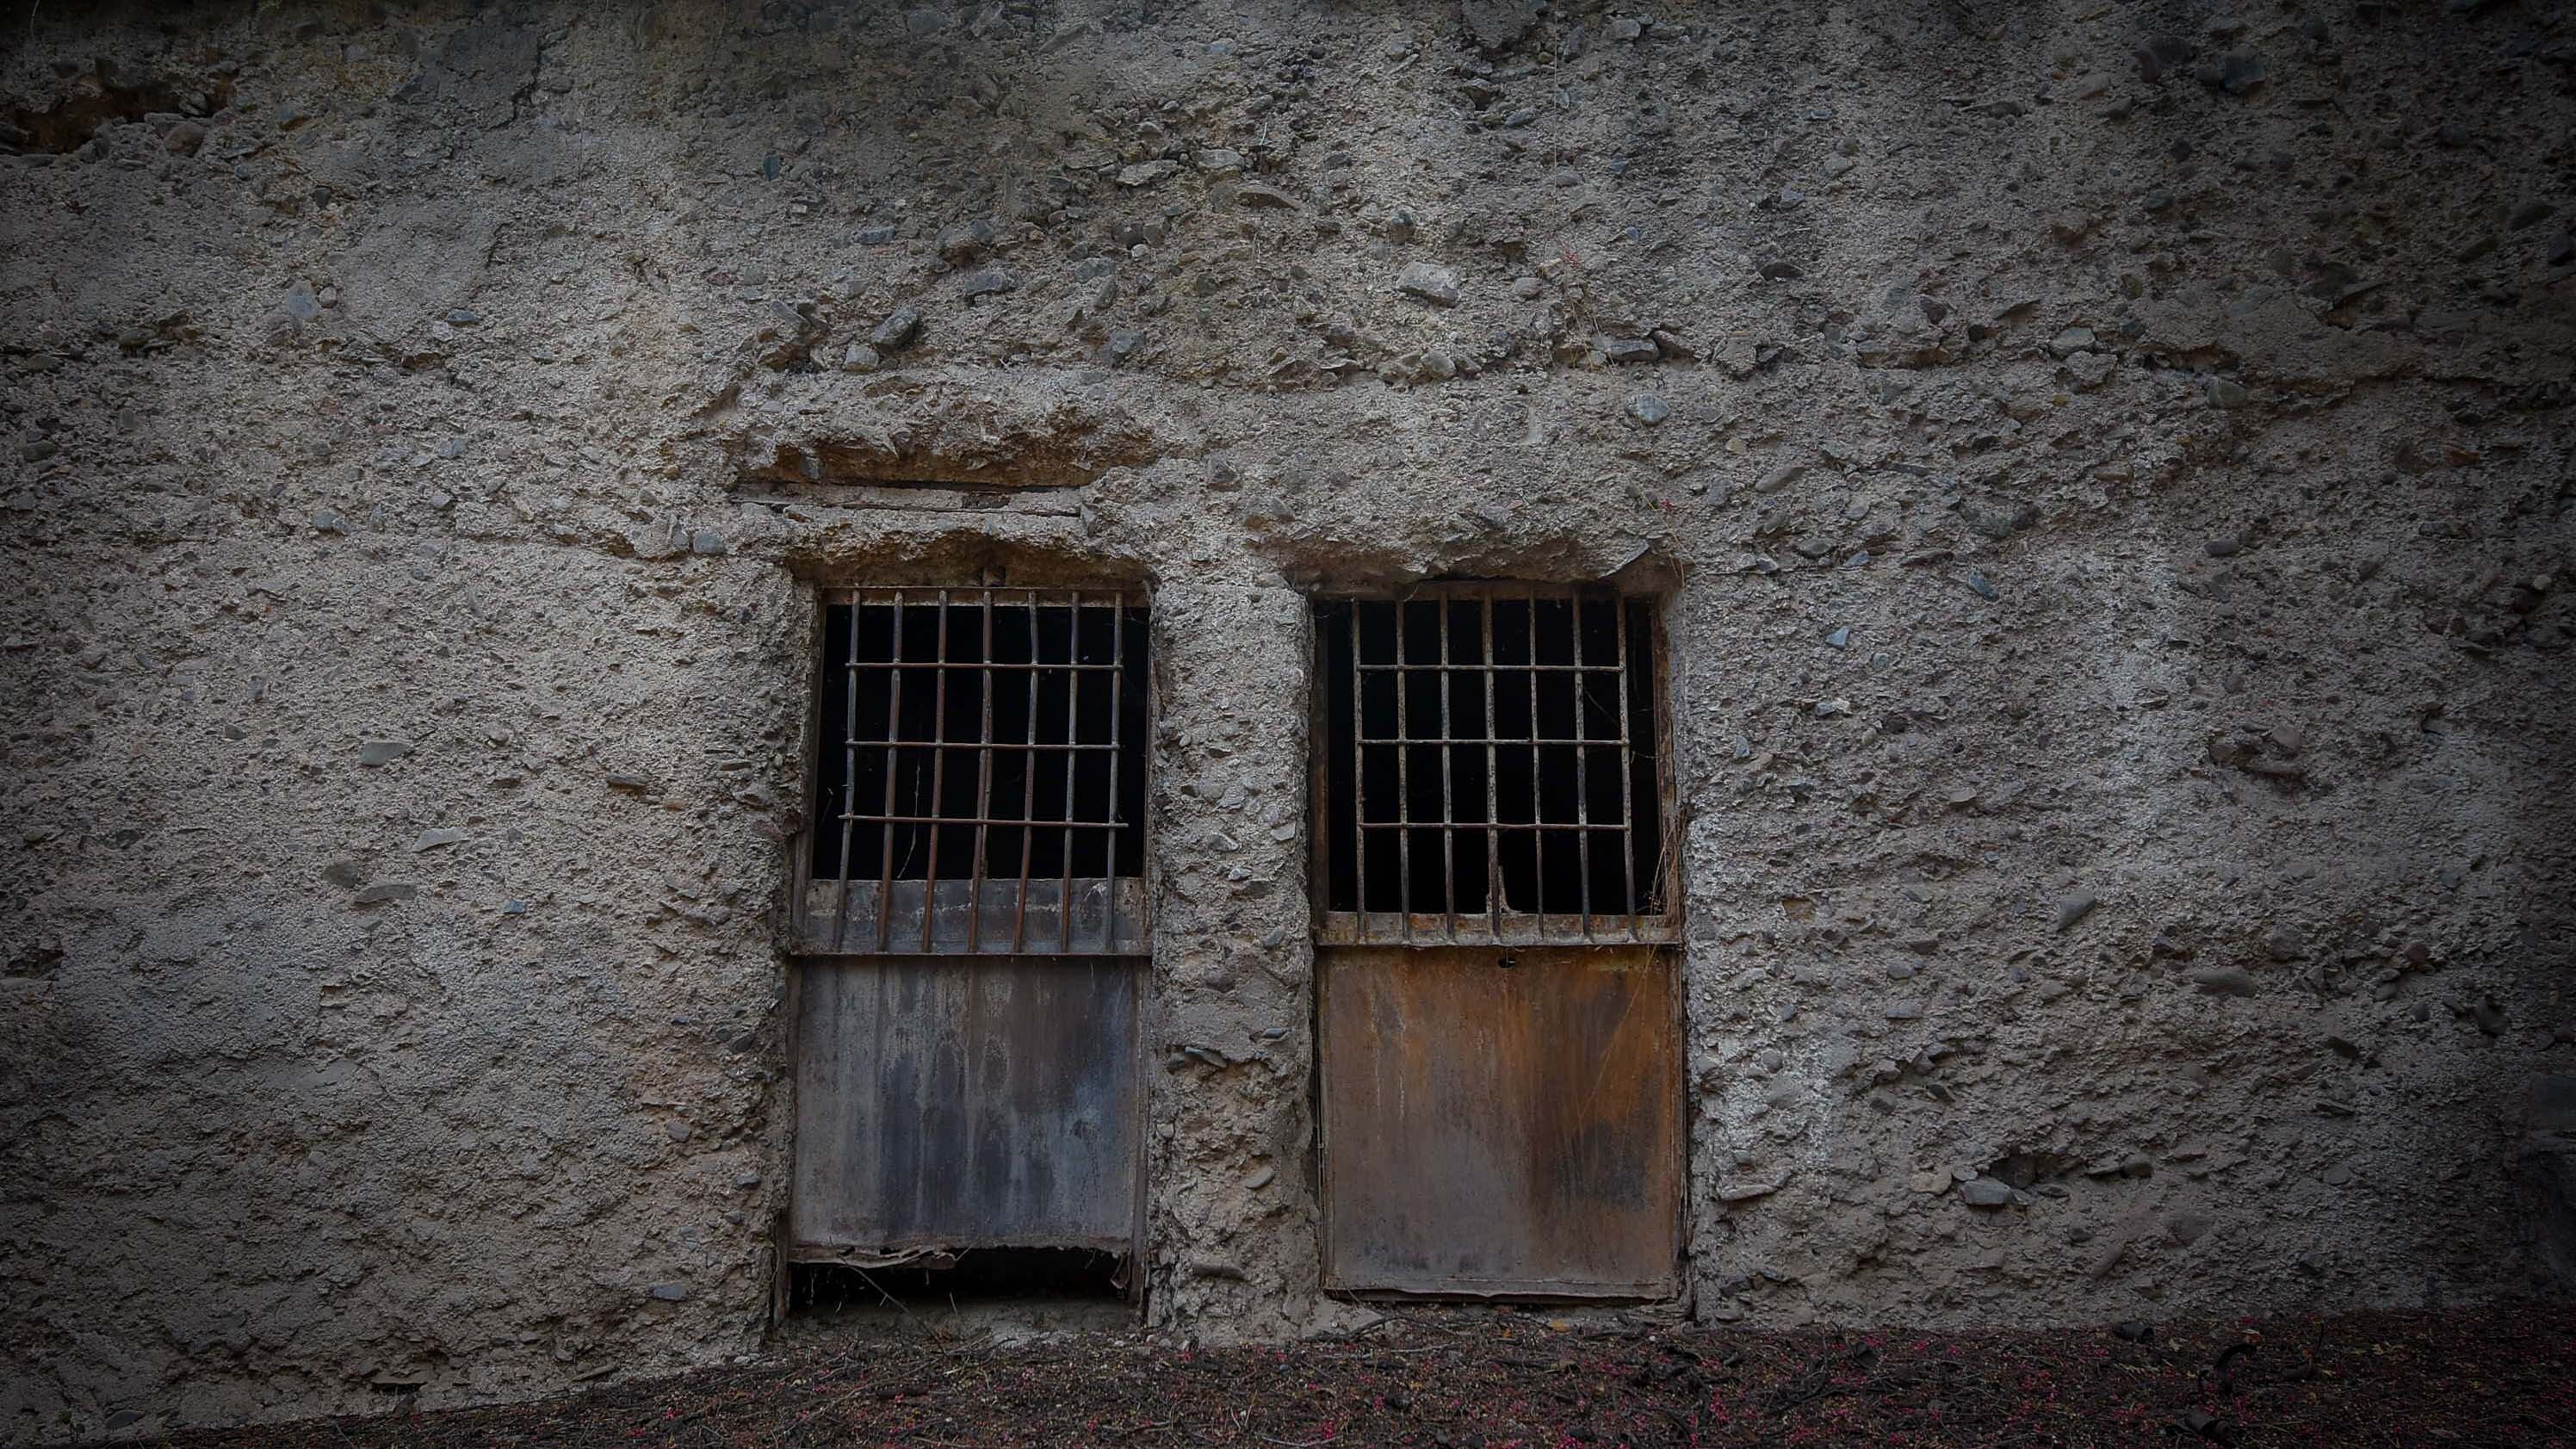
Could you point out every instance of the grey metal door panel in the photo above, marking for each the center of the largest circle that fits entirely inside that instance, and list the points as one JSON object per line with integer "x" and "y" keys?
{"x": 966, "y": 1103}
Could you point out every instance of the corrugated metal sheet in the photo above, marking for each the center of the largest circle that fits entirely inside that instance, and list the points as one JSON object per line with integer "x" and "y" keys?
{"x": 966, "y": 1103}
{"x": 1502, "y": 1130}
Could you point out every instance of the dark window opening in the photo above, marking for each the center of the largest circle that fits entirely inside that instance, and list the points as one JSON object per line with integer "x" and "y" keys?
{"x": 975, "y": 741}
{"x": 942, "y": 1278}
{"x": 1491, "y": 758}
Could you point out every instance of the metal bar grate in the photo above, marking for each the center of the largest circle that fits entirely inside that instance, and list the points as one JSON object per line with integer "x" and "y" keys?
{"x": 979, "y": 775}
{"x": 1492, "y": 768}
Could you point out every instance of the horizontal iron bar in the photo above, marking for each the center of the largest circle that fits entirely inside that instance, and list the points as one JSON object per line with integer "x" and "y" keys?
{"x": 975, "y": 598}
{"x": 889, "y": 745}
{"x": 984, "y": 820}
{"x": 978, "y": 666}
{"x": 1345, "y": 928}
{"x": 1570, "y": 827}
{"x": 1489, "y": 668}
{"x": 1506, "y": 590}
{"x": 1597, "y": 742}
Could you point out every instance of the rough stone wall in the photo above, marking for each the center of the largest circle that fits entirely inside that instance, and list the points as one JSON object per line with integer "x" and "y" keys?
{"x": 2112, "y": 464}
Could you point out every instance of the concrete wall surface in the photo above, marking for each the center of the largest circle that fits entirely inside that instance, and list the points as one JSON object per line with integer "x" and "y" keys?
{"x": 2109, "y": 469}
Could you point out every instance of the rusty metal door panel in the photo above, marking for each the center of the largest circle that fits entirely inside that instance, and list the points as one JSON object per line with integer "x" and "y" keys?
{"x": 964, "y": 1103}
{"x": 1502, "y": 1130}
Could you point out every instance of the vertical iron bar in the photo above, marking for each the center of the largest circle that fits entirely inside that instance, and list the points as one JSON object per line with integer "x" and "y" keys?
{"x": 1493, "y": 784}
{"x": 894, "y": 756}
{"x": 1659, "y": 659}
{"x": 1117, "y": 698}
{"x": 1538, "y": 810}
{"x": 850, "y": 773}
{"x": 1029, "y": 791}
{"x": 1582, "y": 771}
{"x": 938, "y": 777}
{"x": 1448, "y": 809}
{"x": 983, "y": 793}
{"x": 1359, "y": 778}
{"x": 1403, "y": 795}
{"x": 1072, "y": 736}
{"x": 1320, "y": 822}
{"x": 1627, "y": 788}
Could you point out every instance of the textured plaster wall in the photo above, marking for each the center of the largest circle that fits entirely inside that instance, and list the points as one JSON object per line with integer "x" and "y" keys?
{"x": 2110, "y": 466}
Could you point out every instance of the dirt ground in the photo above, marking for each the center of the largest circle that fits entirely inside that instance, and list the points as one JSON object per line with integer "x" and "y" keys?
{"x": 2503, "y": 1375}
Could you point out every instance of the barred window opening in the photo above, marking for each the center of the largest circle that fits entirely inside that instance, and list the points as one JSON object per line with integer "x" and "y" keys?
{"x": 1490, "y": 767}
{"x": 980, "y": 775}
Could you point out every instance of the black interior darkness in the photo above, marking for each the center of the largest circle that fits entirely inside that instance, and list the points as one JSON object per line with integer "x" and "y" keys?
{"x": 973, "y": 1274}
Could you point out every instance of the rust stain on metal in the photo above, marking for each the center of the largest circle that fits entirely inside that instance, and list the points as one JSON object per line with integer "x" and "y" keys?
{"x": 1502, "y": 1130}
{"x": 966, "y": 1102}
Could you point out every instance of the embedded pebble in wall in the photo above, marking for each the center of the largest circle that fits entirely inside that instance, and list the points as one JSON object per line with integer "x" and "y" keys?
{"x": 2075, "y": 907}
{"x": 2224, "y": 980}
{"x": 1647, "y": 409}
{"x": 962, "y": 242}
{"x": 1984, "y": 1192}
{"x": 897, "y": 330}
{"x": 1427, "y": 283}
{"x": 1779, "y": 477}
